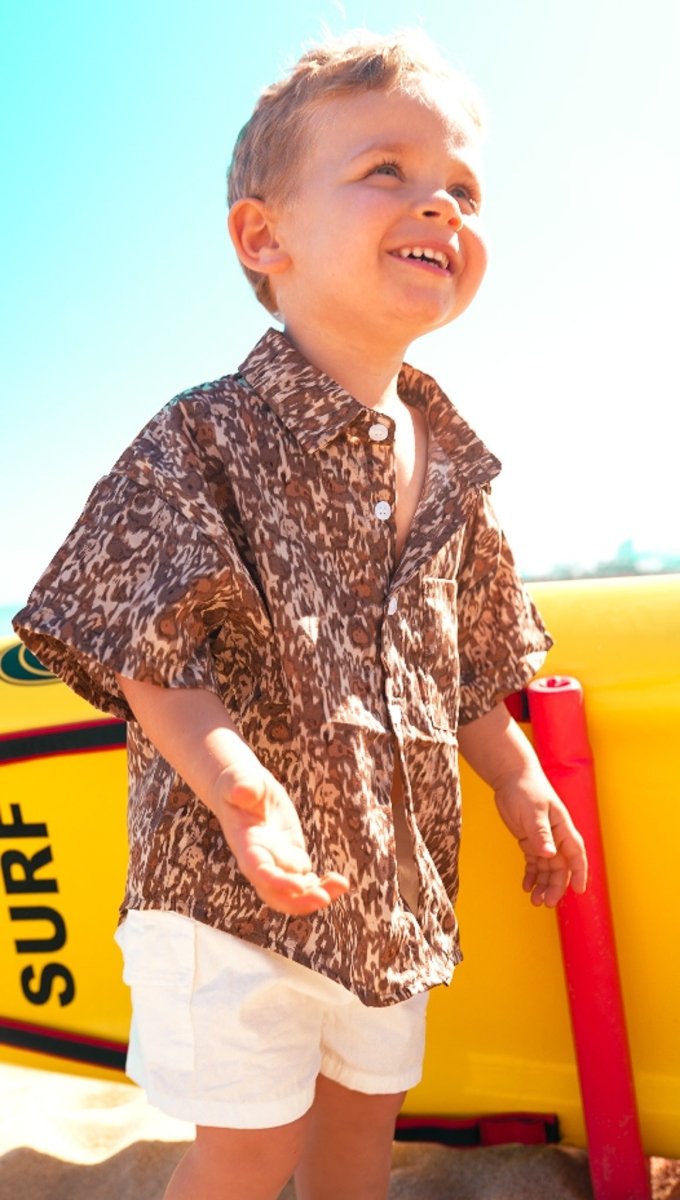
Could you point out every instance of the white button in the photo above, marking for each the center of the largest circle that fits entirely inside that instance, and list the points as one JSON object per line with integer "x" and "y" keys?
{"x": 383, "y": 510}
{"x": 395, "y": 713}
{"x": 378, "y": 432}
{"x": 391, "y": 606}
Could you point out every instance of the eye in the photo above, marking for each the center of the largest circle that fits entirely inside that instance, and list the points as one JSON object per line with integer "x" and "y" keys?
{"x": 465, "y": 198}
{"x": 387, "y": 168}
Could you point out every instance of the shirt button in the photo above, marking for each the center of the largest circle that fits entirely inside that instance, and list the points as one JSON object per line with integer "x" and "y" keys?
{"x": 383, "y": 510}
{"x": 391, "y": 606}
{"x": 378, "y": 432}
{"x": 395, "y": 713}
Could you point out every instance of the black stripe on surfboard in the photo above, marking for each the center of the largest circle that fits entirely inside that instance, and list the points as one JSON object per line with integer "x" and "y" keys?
{"x": 76, "y": 1047}
{"x": 110, "y": 735}
{"x": 62, "y": 739}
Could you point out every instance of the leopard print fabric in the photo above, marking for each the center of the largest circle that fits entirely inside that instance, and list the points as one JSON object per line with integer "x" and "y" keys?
{"x": 244, "y": 544}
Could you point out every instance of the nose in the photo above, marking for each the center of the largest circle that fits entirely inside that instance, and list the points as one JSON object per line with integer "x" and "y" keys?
{"x": 441, "y": 206}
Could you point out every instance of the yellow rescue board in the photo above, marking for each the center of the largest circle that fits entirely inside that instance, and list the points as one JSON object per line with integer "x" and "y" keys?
{"x": 63, "y": 850}
{"x": 499, "y": 1038}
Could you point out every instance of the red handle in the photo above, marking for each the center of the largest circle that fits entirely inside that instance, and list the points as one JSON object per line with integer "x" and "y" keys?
{"x": 617, "y": 1163}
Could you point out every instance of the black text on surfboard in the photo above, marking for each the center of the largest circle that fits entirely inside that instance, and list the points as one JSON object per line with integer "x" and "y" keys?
{"x": 22, "y": 874}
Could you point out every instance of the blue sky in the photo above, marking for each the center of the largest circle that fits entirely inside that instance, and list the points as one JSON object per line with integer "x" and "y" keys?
{"x": 120, "y": 288}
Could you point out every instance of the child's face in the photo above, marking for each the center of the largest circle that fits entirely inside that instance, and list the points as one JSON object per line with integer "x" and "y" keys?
{"x": 382, "y": 238}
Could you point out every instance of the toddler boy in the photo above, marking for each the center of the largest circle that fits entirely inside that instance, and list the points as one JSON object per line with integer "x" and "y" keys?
{"x": 293, "y": 586}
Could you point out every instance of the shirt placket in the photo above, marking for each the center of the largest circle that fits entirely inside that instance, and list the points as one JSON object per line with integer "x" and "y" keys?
{"x": 382, "y": 498}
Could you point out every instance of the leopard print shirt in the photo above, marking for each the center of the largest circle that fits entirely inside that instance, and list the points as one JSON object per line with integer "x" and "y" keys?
{"x": 244, "y": 543}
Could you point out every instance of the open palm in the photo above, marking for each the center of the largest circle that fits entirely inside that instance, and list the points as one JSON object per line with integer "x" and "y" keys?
{"x": 263, "y": 830}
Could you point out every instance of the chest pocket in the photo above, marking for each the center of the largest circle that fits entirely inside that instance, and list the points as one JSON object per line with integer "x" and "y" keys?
{"x": 440, "y": 658}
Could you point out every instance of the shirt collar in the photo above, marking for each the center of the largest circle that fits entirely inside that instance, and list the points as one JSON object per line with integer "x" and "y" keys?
{"x": 316, "y": 409}
{"x": 311, "y": 405}
{"x": 467, "y": 455}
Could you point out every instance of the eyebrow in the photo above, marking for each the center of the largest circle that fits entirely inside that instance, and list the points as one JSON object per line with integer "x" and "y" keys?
{"x": 380, "y": 147}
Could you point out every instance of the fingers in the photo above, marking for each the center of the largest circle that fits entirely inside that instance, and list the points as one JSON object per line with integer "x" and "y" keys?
{"x": 544, "y": 878}
{"x": 555, "y": 856}
{"x": 573, "y": 849}
{"x": 292, "y": 859}
{"x": 297, "y": 895}
{"x": 547, "y": 878}
{"x": 540, "y": 843}
{"x": 579, "y": 878}
{"x": 264, "y": 834}
{"x": 335, "y": 884}
{"x": 546, "y": 881}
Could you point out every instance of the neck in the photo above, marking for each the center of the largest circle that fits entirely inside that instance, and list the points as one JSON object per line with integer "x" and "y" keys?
{"x": 369, "y": 376}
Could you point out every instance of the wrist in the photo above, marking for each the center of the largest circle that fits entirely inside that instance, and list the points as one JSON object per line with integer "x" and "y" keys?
{"x": 521, "y": 774}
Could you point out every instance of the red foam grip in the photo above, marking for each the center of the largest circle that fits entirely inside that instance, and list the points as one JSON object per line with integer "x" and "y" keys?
{"x": 617, "y": 1163}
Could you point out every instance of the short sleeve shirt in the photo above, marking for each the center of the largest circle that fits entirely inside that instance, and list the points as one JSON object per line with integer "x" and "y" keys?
{"x": 245, "y": 543}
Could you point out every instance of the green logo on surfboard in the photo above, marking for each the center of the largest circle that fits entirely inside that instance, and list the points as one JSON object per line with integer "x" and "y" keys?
{"x": 18, "y": 665}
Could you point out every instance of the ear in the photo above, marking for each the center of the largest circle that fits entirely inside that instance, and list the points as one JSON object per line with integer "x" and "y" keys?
{"x": 252, "y": 230}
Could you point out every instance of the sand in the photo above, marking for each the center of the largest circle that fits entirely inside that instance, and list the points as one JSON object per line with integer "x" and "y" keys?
{"x": 65, "y": 1137}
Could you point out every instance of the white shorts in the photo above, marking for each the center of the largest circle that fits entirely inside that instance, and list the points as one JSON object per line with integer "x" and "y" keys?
{"x": 227, "y": 1034}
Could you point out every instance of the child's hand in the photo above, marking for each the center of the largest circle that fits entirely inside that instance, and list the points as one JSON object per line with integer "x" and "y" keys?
{"x": 191, "y": 729}
{"x": 552, "y": 846}
{"x": 262, "y": 828}
{"x": 498, "y": 751}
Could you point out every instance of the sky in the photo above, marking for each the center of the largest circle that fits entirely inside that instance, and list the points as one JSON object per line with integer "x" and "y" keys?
{"x": 120, "y": 289}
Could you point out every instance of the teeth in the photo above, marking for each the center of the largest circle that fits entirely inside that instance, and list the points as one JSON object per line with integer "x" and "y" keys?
{"x": 437, "y": 256}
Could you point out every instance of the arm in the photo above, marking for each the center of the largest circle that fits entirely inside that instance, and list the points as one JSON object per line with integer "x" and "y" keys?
{"x": 193, "y": 732}
{"x": 498, "y": 751}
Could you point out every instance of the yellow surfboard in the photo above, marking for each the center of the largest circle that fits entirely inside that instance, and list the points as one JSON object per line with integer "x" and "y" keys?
{"x": 499, "y": 1037}
{"x": 62, "y": 857}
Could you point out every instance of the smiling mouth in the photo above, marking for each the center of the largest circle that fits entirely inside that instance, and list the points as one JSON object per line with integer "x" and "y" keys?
{"x": 436, "y": 258}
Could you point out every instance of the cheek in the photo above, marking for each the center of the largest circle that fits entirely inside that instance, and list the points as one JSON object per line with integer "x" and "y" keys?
{"x": 476, "y": 258}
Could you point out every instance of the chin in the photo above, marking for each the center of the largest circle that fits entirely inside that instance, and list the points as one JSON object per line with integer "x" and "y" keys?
{"x": 429, "y": 313}
{"x": 428, "y": 322}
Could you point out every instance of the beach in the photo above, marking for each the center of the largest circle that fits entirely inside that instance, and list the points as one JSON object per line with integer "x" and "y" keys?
{"x": 67, "y": 1137}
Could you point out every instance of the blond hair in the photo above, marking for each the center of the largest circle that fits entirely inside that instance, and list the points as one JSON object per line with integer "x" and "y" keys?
{"x": 270, "y": 146}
